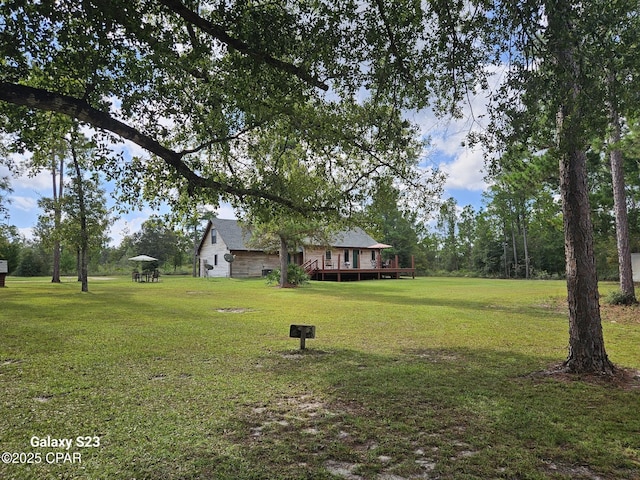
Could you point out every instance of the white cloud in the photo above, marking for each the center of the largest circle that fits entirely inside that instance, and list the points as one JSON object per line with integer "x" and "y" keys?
{"x": 41, "y": 184}
{"x": 129, "y": 225}
{"x": 226, "y": 211}
{"x": 450, "y": 150}
{"x": 26, "y": 204}
{"x": 449, "y": 139}
{"x": 39, "y": 181}
{"x": 132, "y": 223}
{"x": 131, "y": 150}
{"x": 465, "y": 171}
{"x": 26, "y": 233}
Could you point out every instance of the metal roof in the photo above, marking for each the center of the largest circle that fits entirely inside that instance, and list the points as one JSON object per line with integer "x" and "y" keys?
{"x": 236, "y": 238}
{"x": 353, "y": 238}
{"x": 232, "y": 234}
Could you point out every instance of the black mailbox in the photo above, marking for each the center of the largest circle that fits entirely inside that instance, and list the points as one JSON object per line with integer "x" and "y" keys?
{"x": 302, "y": 332}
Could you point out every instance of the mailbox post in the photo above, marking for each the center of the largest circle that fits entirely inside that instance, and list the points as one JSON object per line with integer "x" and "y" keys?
{"x": 302, "y": 332}
{"x": 4, "y": 269}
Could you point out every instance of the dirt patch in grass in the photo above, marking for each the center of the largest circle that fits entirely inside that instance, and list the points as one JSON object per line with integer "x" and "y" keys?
{"x": 556, "y": 305}
{"x": 43, "y": 398}
{"x": 233, "y": 310}
{"x": 436, "y": 356}
{"x": 625, "y": 314}
{"x": 623, "y": 378}
{"x": 287, "y": 285}
{"x": 571, "y": 471}
{"x": 301, "y": 354}
{"x": 329, "y": 434}
{"x": 10, "y": 361}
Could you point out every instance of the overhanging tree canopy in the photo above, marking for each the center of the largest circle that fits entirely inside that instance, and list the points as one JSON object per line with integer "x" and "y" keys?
{"x": 193, "y": 82}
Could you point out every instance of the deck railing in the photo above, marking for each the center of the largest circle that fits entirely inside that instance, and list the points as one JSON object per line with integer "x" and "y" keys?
{"x": 338, "y": 264}
{"x": 310, "y": 266}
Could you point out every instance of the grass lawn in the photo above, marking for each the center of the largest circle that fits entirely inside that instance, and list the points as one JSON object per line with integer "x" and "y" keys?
{"x": 411, "y": 379}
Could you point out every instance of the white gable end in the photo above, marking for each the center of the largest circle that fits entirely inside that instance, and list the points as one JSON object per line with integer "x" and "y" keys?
{"x": 212, "y": 255}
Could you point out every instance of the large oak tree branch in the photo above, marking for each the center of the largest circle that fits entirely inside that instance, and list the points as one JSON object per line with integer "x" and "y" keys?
{"x": 216, "y": 31}
{"x": 39, "y": 99}
{"x": 393, "y": 45}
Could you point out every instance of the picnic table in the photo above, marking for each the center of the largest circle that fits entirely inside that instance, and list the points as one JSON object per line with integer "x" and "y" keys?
{"x": 146, "y": 276}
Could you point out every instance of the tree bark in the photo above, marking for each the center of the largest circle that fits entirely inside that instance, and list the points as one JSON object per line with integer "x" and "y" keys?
{"x": 84, "y": 234}
{"x": 516, "y": 267}
{"x": 527, "y": 260}
{"x": 194, "y": 273}
{"x": 58, "y": 191}
{"x": 284, "y": 262}
{"x": 586, "y": 342}
{"x": 504, "y": 250}
{"x": 620, "y": 207}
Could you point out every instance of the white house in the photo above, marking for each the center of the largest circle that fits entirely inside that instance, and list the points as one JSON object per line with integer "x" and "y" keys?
{"x": 635, "y": 266}
{"x": 223, "y": 252}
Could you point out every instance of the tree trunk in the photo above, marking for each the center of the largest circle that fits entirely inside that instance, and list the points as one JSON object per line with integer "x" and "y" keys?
{"x": 284, "y": 262}
{"x": 620, "y": 205}
{"x": 58, "y": 190}
{"x": 57, "y": 250}
{"x": 516, "y": 267}
{"x": 505, "y": 255}
{"x": 84, "y": 234}
{"x": 527, "y": 261}
{"x": 79, "y": 264}
{"x": 586, "y": 342}
{"x": 194, "y": 273}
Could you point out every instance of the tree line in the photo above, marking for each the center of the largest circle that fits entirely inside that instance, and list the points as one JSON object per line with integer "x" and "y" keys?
{"x": 514, "y": 234}
{"x": 35, "y": 256}
{"x": 517, "y": 232}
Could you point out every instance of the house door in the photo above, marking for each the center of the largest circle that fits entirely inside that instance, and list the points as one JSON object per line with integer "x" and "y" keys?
{"x": 356, "y": 254}
{"x": 296, "y": 258}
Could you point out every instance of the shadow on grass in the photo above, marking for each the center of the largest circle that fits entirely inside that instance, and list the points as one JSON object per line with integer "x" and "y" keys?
{"x": 456, "y": 300}
{"x": 456, "y": 413}
{"x": 46, "y": 321}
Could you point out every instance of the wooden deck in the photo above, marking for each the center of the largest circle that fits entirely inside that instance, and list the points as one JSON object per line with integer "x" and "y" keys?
{"x": 356, "y": 274}
{"x": 344, "y": 273}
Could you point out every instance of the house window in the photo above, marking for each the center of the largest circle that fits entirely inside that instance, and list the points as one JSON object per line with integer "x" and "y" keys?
{"x": 373, "y": 255}
{"x": 214, "y": 236}
{"x": 327, "y": 255}
{"x": 346, "y": 255}
{"x": 215, "y": 259}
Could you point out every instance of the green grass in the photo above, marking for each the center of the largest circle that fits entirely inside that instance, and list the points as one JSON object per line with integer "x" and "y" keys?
{"x": 197, "y": 379}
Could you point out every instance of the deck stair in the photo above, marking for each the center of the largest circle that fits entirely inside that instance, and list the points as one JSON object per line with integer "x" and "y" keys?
{"x": 310, "y": 267}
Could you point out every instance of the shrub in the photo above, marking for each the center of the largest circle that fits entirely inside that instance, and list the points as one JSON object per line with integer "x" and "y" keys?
{"x": 617, "y": 297}
{"x": 31, "y": 264}
{"x": 295, "y": 275}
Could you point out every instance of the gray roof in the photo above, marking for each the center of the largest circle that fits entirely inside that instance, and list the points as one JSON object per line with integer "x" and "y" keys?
{"x": 232, "y": 234}
{"x": 353, "y": 238}
{"x": 237, "y": 238}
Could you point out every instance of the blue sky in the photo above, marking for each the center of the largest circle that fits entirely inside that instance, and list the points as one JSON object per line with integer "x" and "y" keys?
{"x": 464, "y": 168}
